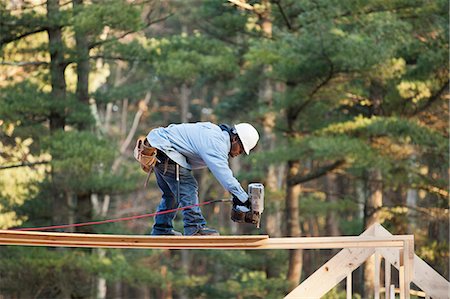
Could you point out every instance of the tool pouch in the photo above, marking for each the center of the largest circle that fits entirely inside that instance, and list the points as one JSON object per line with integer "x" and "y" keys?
{"x": 145, "y": 154}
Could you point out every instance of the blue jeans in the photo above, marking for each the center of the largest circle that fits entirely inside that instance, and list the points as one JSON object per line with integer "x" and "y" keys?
{"x": 193, "y": 219}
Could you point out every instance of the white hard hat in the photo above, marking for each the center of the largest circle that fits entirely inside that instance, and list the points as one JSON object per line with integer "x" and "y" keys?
{"x": 248, "y": 136}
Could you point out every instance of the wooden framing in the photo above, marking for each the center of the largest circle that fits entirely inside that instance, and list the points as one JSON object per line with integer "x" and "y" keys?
{"x": 359, "y": 248}
{"x": 411, "y": 269}
{"x": 421, "y": 273}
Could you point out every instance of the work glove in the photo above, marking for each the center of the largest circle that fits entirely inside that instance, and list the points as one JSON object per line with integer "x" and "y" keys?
{"x": 240, "y": 209}
{"x": 244, "y": 206}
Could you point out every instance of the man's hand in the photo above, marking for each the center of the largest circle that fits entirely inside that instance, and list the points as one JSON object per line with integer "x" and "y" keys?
{"x": 243, "y": 206}
{"x": 240, "y": 209}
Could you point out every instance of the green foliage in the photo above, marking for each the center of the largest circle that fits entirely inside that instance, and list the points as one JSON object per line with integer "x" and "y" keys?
{"x": 133, "y": 51}
{"x": 131, "y": 91}
{"x": 402, "y": 131}
{"x": 221, "y": 21}
{"x": 244, "y": 101}
{"x": 248, "y": 285}
{"x": 244, "y": 274}
{"x": 83, "y": 160}
{"x": 315, "y": 205}
{"x": 325, "y": 148}
{"x": 116, "y": 14}
{"x": 13, "y": 26}
{"x": 17, "y": 108}
{"x": 30, "y": 116}
{"x": 58, "y": 270}
{"x": 184, "y": 58}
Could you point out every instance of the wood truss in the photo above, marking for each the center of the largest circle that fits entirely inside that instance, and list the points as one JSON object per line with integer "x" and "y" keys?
{"x": 356, "y": 249}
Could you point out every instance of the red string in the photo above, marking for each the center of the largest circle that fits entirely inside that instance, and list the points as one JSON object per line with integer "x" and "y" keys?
{"x": 116, "y": 219}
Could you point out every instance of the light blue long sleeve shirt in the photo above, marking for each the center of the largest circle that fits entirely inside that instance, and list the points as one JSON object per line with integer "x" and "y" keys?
{"x": 199, "y": 145}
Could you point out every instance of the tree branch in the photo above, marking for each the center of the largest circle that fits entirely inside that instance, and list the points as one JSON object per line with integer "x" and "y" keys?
{"x": 8, "y": 39}
{"x": 105, "y": 57}
{"x": 101, "y": 42}
{"x": 283, "y": 14}
{"x": 98, "y": 43}
{"x": 26, "y": 63}
{"x": 299, "y": 179}
{"x": 24, "y": 164}
{"x": 432, "y": 212}
{"x": 433, "y": 98}
{"x": 296, "y": 111}
{"x": 137, "y": 117}
{"x": 207, "y": 29}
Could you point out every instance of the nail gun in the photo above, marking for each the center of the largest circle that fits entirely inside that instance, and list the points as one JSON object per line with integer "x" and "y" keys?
{"x": 256, "y": 205}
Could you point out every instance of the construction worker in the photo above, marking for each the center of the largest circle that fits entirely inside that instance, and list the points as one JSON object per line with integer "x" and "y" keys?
{"x": 183, "y": 147}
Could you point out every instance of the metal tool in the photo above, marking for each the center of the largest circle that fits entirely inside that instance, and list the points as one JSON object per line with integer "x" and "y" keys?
{"x": 256, "y": 193}
{"x": 255, "y": 205}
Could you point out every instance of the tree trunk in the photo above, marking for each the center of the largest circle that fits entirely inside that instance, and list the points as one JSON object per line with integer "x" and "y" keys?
{"x": 293, "y": 224}
{"x": 84, "y": 208}
{"x": 57, "y": 118}
{"x": 332, "y": 189}
{"x": 266, "y": 100}
{"x": 373, "y": 204}
{"x": 83, "y": 68}
{"x": 412, "y": 196}
{"x": 184, "y": 103}
{"x": 57, "y": 66}
{"x": 167, "y": 292}
{"x": 374, "y": 189}
{"x": 123, "y": 119}
{"x": 273, "y": 218}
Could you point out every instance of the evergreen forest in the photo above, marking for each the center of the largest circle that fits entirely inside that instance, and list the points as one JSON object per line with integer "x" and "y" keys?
{"x": 350, "y": 98}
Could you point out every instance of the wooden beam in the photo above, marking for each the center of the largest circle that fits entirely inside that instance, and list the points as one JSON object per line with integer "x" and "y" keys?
{"x": 377, "y": 275}
{"x": 422, "y": 274}
{"x": 53, "y": 239}
{"x": 404, "y": 291}
{"x": 332, "y": 272}
{"x": 349, "y": 286}
{"x": 387, "y": 278}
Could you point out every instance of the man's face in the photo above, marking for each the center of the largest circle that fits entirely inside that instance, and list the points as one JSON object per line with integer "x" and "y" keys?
{"x": 236, "y": 147}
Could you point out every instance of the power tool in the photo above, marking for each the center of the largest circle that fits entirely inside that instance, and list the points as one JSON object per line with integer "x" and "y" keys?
{"x": 255, "y": 204}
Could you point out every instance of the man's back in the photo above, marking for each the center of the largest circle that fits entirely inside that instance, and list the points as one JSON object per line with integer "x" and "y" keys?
{"x": 194, "y": 141}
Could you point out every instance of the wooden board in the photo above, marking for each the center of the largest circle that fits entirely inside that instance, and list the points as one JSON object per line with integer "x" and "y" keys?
{"x": 53, "y": 239}
{"x": 128, "y": 241}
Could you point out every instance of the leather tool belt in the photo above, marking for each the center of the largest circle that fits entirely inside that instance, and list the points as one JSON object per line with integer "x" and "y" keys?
{"x": 145, "y": 154}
